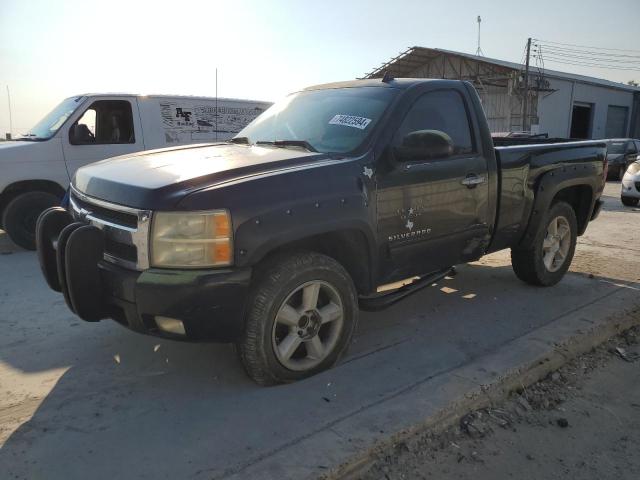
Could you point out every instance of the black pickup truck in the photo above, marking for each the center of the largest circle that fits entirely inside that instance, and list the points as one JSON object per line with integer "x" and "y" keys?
{"x": 276, "y": 239}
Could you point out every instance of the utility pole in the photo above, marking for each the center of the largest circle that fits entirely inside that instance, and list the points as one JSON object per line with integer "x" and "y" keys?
{"x": 479, "y": 51}
{"x": 216, "y": 117}
{"x": 10, "y": 119}
{"x": 525, "y": 103}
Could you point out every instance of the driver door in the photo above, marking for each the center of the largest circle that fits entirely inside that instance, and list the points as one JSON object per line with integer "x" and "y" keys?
{"x": 434, "y": 212}
{"x": 107, "y": 127}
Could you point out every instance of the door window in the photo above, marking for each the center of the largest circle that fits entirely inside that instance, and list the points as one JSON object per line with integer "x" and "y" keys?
{"x": 444, "y": 111}
{"x": 104, "y": 122}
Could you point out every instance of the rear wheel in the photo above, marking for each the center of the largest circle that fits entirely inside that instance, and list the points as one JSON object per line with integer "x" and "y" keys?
{"x": 546, "y": 261}
{"x": 303, "y": 312}
{"x": 21, "y": 214}
{"x": 630, "y": 201}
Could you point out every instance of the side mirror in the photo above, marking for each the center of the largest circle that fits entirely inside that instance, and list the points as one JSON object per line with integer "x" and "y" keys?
{"x": 424, "y": 144}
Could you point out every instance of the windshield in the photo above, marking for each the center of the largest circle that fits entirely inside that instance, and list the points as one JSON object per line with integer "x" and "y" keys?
{"x": 49, "y": 125}
{"x": 616, "y": 147}
{"x": 330, "y": 121}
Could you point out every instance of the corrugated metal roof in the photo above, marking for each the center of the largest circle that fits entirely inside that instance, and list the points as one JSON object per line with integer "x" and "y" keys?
{"x": 415, "y": 57}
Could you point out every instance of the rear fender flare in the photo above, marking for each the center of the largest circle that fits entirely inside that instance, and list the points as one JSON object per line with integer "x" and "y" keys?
{"x": 548, "y": 187}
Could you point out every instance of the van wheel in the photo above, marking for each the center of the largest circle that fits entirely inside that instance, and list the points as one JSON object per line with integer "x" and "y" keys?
{"x": 303, "y": 312}
{"x": 630, "y": 201}
{"x": 549, "y": 257}
{"x": 21, "y": 214}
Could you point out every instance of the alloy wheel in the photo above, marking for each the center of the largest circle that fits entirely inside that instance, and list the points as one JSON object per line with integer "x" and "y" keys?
{"x": 556, "y": 244}
{"x": 307, "y": 325}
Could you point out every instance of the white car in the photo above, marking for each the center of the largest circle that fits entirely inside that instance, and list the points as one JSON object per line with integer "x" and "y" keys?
{"x": 35, "y": 169}
{"x": 630, "y": 194}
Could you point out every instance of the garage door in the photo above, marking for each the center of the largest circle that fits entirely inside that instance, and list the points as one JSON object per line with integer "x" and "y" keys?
{"x": 616, "y": 122}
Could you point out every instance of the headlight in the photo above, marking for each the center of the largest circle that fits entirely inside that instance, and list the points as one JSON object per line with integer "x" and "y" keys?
{"x": 633, "y": 168}
{"x": 188, "y": 239}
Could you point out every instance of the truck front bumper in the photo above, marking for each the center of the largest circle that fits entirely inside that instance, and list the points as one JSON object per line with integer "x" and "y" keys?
{"x": 208, "y": 303}
{"x": 192, "y": 305}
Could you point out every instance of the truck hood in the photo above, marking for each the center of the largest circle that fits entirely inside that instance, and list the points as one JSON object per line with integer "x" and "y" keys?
{"x": 158, "y": 179}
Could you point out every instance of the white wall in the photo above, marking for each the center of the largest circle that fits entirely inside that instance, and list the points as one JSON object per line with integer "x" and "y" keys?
{"x": 554, "y": 109}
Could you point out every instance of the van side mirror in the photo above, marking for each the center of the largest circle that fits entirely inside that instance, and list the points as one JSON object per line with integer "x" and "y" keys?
{"x": 424, "y": 144}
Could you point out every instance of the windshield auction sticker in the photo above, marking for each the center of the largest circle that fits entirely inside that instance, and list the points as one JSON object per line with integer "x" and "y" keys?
{"x": 350, "y": 121}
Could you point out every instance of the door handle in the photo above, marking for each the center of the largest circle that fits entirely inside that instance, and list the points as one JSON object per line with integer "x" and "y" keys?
{"x": 472, "y": 180}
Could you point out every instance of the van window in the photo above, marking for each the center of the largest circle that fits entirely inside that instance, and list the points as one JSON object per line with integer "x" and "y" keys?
{"x": 89, "y": 119}
{"x": 441, "y": 110}
{"x": 104, "y": 122}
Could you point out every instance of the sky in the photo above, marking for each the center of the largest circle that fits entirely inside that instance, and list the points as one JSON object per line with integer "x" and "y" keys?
{"x": 50, "y": 50}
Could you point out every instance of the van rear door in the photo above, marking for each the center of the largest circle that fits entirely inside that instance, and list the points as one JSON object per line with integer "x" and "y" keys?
{"x": 104, "y": 127}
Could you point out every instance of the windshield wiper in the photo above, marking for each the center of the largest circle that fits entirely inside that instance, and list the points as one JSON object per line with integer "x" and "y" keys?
{"x": 30, "y": 137}
{"x": 289, "y": 143}
{"x": 240, "y": 140}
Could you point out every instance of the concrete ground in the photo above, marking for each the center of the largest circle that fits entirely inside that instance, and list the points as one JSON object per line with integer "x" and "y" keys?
{"x": 580, "y": 422}
{"x": 80, "y": 399}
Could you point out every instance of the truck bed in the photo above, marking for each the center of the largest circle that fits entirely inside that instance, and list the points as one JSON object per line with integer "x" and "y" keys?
{"x": 520, "y": 169}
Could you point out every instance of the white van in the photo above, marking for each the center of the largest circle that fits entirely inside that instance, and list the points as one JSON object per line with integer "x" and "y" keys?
{"x": 35, "y": 169}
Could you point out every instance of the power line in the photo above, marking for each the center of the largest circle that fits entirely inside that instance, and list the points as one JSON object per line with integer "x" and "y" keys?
{"x": 587, "y": 52}
{"x": 587, "y": 46}
{"x": 587, "y": 63}
{"x": 565, "y": 61}
{"x": 591, "y": 58}
{"x": 585, "y": 56}
{"x": 600, "y": 55}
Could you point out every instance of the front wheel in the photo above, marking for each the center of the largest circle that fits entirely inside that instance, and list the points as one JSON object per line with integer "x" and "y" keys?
{"x": 302, "y": 314}
{"x": 21, "y": 214}
{"x": 546, "y": 261}
{"x": 630, "y": 201}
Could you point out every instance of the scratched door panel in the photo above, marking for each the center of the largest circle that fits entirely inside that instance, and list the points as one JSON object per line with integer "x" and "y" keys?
{"x": 428, "y": 218}
{"x": 433, "y": 212}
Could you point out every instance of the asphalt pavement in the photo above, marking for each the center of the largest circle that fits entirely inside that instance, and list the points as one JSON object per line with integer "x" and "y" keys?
{"x": 82, "y": 400}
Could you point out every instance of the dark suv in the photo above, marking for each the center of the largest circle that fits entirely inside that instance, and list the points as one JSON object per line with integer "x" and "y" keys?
{"x": 621, "y": 152}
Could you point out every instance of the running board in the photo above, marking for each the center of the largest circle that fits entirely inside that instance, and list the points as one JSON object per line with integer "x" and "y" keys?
{"x": 381, "y": 301}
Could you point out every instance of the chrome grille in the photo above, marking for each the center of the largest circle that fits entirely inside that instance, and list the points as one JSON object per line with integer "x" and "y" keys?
{"x": 126, "y": 229}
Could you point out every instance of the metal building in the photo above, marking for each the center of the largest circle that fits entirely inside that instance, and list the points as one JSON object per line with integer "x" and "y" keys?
{"x": 559, "y": 104}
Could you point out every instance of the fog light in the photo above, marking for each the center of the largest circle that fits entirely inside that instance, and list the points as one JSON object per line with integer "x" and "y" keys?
{"x": 170, "y": 325}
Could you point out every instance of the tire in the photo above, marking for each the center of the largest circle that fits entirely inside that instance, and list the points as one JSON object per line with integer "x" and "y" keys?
{"x": 20, "y": 216}
{"x": 531, "y": 265}
{"x": 275, "y": 318}
{"x": 630, "y": 201}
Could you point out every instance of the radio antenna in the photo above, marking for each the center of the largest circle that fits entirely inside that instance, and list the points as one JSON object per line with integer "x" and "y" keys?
{"x": 479, "y": 51}
{"x": 10, "y": 118}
